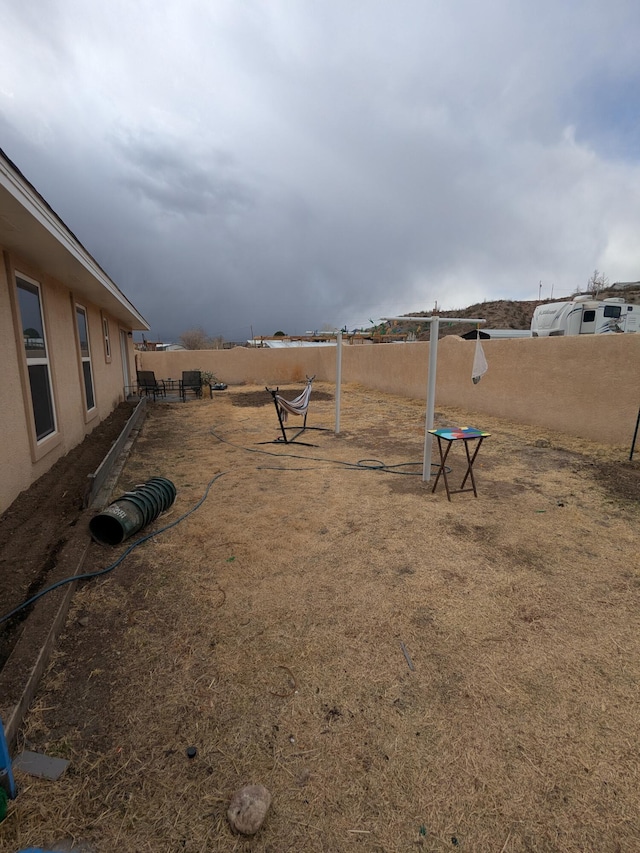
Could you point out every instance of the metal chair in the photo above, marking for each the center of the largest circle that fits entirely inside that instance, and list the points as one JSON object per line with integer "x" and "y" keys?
{"x": 191, "y": 381}
{"x": 148, "y": 384}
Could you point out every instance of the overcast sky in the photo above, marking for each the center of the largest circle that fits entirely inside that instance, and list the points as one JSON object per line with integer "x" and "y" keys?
{"x": 294, "y": 164}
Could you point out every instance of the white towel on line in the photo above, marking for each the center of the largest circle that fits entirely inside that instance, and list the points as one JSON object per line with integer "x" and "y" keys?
{"x": 480, "y": 365}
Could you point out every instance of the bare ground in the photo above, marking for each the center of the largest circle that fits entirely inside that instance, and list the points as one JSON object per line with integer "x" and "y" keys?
{"x": 37, "y": 526}
{"x": 402, "y": 672}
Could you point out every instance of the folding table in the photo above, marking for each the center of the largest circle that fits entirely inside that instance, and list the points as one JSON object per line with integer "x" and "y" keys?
{"x": 466, "y": 435}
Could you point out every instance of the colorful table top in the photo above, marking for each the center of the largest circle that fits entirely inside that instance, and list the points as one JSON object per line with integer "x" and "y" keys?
{"x": 453, "y": 433}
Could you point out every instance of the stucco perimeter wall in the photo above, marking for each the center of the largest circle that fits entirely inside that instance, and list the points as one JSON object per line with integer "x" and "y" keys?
{"x": 234, "y": 366}
{"x": 583, "y": 385}
{"x": 586, "y": 386}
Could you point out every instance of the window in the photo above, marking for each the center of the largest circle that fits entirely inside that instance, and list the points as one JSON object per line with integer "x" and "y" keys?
{"x": 612, "y": 311}
{"x": 589, "y": 316}
{"x": 85, "y": 356}
{"x": 35, "y": 348}
{"x": 107, "y": 341}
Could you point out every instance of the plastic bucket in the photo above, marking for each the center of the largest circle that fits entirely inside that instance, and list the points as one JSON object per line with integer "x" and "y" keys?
{"x": 132, "y": 511}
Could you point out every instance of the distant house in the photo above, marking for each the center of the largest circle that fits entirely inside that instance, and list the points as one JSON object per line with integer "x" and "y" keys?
{"x": 287, "y": 343}
{"x": 156, "y": 346}
{"x": 66, "y": 348}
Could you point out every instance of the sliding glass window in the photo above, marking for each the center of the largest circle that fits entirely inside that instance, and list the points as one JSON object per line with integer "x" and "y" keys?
{"x": 36, "y": 353}
{"x": 85, "y": 356}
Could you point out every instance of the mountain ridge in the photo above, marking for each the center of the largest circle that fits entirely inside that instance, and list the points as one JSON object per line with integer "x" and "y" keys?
{"x": 504, "y": 313}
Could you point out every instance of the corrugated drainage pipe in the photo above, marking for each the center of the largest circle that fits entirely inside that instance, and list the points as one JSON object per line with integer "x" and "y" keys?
{"x": 133, "y": 511}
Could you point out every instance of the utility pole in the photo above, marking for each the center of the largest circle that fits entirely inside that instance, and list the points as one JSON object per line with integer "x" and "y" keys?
{"x": 539, "y": 291}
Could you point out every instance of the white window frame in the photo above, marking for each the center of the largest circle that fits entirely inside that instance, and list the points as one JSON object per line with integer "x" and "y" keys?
{"x": 34, "y": 361}
{"x": 85, "y": 359}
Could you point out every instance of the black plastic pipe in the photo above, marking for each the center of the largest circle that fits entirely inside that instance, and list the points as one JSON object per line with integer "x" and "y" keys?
{"x": 133, "y": 511}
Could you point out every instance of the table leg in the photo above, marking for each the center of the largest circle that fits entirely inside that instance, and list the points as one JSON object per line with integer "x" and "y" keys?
{"x": 442, "y": 469}
{"x": 470, "y": 461}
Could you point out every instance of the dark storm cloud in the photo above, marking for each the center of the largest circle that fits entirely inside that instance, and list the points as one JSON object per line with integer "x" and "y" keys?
{"x": 171, "y": 179}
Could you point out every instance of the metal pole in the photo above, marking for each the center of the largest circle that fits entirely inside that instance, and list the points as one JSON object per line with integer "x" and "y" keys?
{"x": 635, "y": 435}
{"x": 338, "y": 378}
{"x": 434, "y": 322}
{"x": 434, "y": 325}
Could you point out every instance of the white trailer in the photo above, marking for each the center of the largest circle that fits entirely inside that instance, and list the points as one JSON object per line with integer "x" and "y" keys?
{"x": 585, "y": 316}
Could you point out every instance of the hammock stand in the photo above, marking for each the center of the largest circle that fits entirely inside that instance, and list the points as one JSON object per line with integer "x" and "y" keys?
{"x": 299, "y": 406}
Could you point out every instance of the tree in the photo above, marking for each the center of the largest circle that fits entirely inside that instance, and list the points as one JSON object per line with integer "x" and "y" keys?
{"x": 196, "y": 339}
{"x": 597, "y": 282}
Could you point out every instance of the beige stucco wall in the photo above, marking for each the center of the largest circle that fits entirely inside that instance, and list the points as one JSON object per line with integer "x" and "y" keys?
{"x": 20, "y": 463}
{"x": 586, "y": 386}
{"x": 268, "y": 366}
{"x": 14, "y": 447}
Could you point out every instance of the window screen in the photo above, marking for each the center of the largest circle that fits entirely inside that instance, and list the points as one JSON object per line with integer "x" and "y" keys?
{"x": 107, "y": 340}
{"x": 41, "y": 398}
{"x": 85, "y": 356}
{"x": 35, "y": 349}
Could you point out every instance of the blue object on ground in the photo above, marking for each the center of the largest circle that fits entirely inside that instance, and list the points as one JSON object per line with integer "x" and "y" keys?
{"x": 6, "y": 773}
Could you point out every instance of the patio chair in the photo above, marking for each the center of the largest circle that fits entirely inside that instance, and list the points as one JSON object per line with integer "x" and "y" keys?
{"x": 148, "y": 384}
{"x": 191, "y": 381}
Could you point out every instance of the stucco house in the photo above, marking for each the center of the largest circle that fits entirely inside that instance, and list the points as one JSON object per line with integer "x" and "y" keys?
{"x": 66, "y": 337}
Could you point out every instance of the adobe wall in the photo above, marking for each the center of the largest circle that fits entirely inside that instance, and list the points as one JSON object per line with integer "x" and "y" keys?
{"x": 586, "y": 386}
{"x": 22, "y": 464}
{"x": 241, "y": 364}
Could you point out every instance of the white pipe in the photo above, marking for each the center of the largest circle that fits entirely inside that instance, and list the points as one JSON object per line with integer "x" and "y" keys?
{"x": 434, "y": 324}
{"x": 442, "y": 319}
{"x": 338, "y": 378}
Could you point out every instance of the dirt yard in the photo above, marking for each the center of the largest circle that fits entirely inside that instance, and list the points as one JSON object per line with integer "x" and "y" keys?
{"x": 402, "y": 672}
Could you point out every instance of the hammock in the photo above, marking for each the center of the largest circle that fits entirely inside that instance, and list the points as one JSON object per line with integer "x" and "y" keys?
{"x": 299, "y": 406}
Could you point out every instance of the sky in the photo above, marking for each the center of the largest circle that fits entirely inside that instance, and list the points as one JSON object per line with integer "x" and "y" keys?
{"x": 294, "y": 165}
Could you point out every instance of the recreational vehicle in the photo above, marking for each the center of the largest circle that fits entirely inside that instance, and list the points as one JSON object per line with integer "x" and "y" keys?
{"x": 585, "y": 316}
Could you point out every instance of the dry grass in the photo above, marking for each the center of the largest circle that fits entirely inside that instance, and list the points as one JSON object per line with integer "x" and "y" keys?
{"x": 269, "y": 628}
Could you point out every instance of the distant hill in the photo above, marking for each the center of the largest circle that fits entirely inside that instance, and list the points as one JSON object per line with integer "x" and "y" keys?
{"x": 504, "y": 313}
